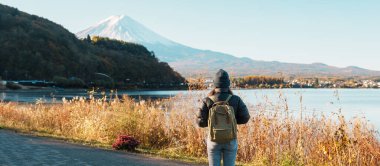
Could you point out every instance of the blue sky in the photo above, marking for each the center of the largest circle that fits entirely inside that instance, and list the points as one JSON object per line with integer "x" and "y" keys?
{"x": 335, "y": 32}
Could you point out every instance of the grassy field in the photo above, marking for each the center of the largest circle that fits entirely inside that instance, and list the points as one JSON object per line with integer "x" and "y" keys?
{"x": 275, "y": 135}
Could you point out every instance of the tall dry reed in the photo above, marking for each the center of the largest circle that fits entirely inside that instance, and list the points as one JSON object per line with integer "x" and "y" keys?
{"x": 275, "y": 135}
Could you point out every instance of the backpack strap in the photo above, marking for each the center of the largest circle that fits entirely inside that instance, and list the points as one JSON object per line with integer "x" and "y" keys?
{"x": 215, "y": 102}
{"x": 213, "y": 99}
{"x": 228, "y": 98}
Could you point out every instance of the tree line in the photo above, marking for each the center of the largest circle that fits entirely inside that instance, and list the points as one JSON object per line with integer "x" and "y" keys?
{"x": 258, "y": 82}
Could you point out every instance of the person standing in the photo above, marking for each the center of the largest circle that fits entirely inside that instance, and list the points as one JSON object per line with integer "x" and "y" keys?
{"x": 221, "y": 111}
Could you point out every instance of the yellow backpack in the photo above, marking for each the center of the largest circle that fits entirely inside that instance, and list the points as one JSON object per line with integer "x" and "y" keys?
{"x": 221, "y": 121}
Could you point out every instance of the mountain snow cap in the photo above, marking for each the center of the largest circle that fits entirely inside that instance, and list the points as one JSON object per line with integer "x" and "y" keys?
{"x": 122, "y": 27}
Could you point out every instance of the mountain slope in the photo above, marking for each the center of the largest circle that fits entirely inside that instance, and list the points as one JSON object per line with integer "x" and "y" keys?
{"x": 36, "y": 48}
{"x": 189, "y": 61}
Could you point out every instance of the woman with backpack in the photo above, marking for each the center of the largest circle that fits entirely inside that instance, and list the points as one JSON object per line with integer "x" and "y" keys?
{"x": 221, "y": 112}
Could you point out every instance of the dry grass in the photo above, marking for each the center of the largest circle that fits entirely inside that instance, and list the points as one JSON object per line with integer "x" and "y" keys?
{"x": 274, "y": 136}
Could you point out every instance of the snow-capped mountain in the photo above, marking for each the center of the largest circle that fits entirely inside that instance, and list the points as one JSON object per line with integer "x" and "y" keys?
{"x": 191, "y": 61}
{"x": 124, "y": 28}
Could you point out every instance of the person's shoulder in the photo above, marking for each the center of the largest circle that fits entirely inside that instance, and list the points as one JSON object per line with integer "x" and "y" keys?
{"x": 235, "y": 97}
{"x": 206, "y": 99}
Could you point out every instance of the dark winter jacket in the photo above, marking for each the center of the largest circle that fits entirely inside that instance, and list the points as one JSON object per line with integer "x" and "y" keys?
{"x": 241, "y": 111}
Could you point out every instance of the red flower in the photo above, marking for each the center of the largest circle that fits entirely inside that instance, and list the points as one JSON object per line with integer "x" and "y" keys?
{"x": 125, "y": 142}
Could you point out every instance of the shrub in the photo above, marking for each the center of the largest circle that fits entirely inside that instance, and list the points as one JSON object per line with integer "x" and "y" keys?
{"x": 72, "y": 82}
{"x": 125, "y": 142}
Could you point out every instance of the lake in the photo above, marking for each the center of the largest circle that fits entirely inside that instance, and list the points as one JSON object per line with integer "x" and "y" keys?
{"x": 352, "y": 102}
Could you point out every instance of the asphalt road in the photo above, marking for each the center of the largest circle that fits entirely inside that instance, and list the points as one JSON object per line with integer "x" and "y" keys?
{"x": 21, "y": 149}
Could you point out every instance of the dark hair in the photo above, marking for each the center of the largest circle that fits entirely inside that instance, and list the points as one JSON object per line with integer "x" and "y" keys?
{"x": 214, "y": 91}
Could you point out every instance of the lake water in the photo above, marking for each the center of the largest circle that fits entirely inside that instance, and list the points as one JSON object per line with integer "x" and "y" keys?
{"x": 352, "y": 102}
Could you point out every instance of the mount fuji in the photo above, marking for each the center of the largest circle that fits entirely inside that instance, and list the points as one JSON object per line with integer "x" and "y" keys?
{"x": 125, "y": 28}
{"x": 191, "y": 61}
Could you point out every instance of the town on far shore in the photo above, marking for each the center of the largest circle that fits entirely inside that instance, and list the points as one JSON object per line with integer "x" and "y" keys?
{"x": 270, "y": 82}
{"x": 246, "y": 82}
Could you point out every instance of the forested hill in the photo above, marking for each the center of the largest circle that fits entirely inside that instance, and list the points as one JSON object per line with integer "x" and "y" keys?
{"x": 36, "y": 48}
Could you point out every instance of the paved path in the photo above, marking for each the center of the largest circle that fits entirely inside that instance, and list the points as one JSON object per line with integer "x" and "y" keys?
{"x": 20, "y": 149}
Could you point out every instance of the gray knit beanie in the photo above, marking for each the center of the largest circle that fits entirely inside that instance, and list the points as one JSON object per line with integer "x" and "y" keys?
{"x": 221, "y": 80}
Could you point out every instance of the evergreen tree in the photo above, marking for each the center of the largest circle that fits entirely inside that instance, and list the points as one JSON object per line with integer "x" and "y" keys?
{"x": 88, "y": 39}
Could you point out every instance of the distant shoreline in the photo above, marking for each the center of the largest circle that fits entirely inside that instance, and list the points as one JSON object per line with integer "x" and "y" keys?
{"x": 31, "y": 88}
